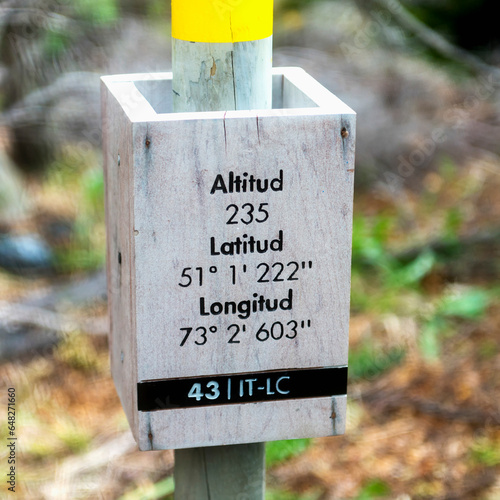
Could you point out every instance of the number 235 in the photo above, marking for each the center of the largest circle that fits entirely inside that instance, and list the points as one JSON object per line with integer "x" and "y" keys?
{"x": 250, "y": 213}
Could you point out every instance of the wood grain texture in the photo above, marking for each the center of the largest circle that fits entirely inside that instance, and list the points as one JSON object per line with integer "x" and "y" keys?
{"x": 221, "y": 76}
{"x": 221, "y": 472}
{"x": 312, "y": 212}
{"x": 162, "y": 217}
{"x": 249, "y": 423}
{"x": 118, "y": 164}
{"x": 215, "y": 76}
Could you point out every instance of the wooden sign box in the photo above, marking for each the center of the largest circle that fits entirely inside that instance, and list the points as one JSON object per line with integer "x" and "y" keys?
{"x": 229, "y": 253}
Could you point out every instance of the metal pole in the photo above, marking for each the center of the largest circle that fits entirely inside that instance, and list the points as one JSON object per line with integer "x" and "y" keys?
{"x": 221, "y": 60}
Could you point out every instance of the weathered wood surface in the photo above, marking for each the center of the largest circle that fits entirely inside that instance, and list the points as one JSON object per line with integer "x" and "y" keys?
{"x": 220, "y": 472}
{"x": 165, "y": 225}
{"x": 221, "y": 76}
{"x": 214, "y": 77}
{"x": 118, "y": 177}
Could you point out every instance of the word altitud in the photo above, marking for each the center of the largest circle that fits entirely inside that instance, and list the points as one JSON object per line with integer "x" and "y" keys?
{"x": 246, "y": 184}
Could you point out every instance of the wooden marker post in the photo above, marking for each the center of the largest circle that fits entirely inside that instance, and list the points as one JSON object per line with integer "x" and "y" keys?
{"x": 221, "y": 60}
{"x": 228, "y": 254}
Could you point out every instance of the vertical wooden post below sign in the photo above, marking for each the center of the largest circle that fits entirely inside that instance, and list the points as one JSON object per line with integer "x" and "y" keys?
{"x": 229, "y": 248}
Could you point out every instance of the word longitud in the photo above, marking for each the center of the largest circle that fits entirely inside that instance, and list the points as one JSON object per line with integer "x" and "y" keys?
{"x": 244, "y": 308}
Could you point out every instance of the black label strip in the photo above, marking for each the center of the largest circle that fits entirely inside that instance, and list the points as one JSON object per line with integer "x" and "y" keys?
{"x": 241, "y": 388}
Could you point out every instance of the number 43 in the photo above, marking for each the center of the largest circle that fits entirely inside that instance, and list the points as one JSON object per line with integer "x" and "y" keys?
{"x": 197, "y": 394}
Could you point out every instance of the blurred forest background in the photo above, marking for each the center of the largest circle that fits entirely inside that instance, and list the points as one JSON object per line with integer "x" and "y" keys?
{"x": 423, "y": 410}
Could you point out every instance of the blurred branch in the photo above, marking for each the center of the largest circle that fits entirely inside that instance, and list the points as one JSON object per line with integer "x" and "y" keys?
{"x": 32, "y": 108}
{"x": 19, "y": 314}
{"x": 105, "y": 471}
{"x": 12, "y": 314}
{"x": 443, "y": 246}
{"x": 34, "y": 324}
{"x": 429, "y": 37}
{"x": 16, "y": 16}
{"x": 386, "y": 401}
{"x": 72, "y": 472}
{"x": 78, "y": 292}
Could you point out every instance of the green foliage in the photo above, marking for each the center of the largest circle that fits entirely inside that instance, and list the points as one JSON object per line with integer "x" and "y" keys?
{"x": 164, "y": 489}
{"x": 380, "y": 281}
{"x": 93, "y": 191}
{"x": 77, "y": 174}
{"x": 286, "y": 495}
{"x": 369, "y": 241}
{"x": 384, "y": 282}
{"x": 453, "y": 222}
{"x": 412, "y": 273}
{"x": 488, "y": 349}
{"x": 467, "y": 304}
{"x": 370, "y": 249}
{"x": 374, "y": 489}
{"x": 73, "y": 437}
{"x": 369, "y": 360}
{"x": 158, "y": 9}
{"x": 447, "y": 169}
{"x": 161, "y": 490}
{"x": 63, "y": 173}
{"x": 276, "y": 452}
{"x": 429, "y": 339}
{"x": 55, "y": 42}
{"x": 48, "y": 439}
{"x": 97, "y": 11}
{"x": 79, "y": 259}
{"x": 279, "y": 451}
{"x": 485, "y": 451}
{"x": 89, "y": 245}
{"x": 77, "y": 351}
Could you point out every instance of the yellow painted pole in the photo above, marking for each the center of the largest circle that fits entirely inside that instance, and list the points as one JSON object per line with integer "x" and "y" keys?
{"x": 222, "y": 54}
{"x": 222, "y": 60}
